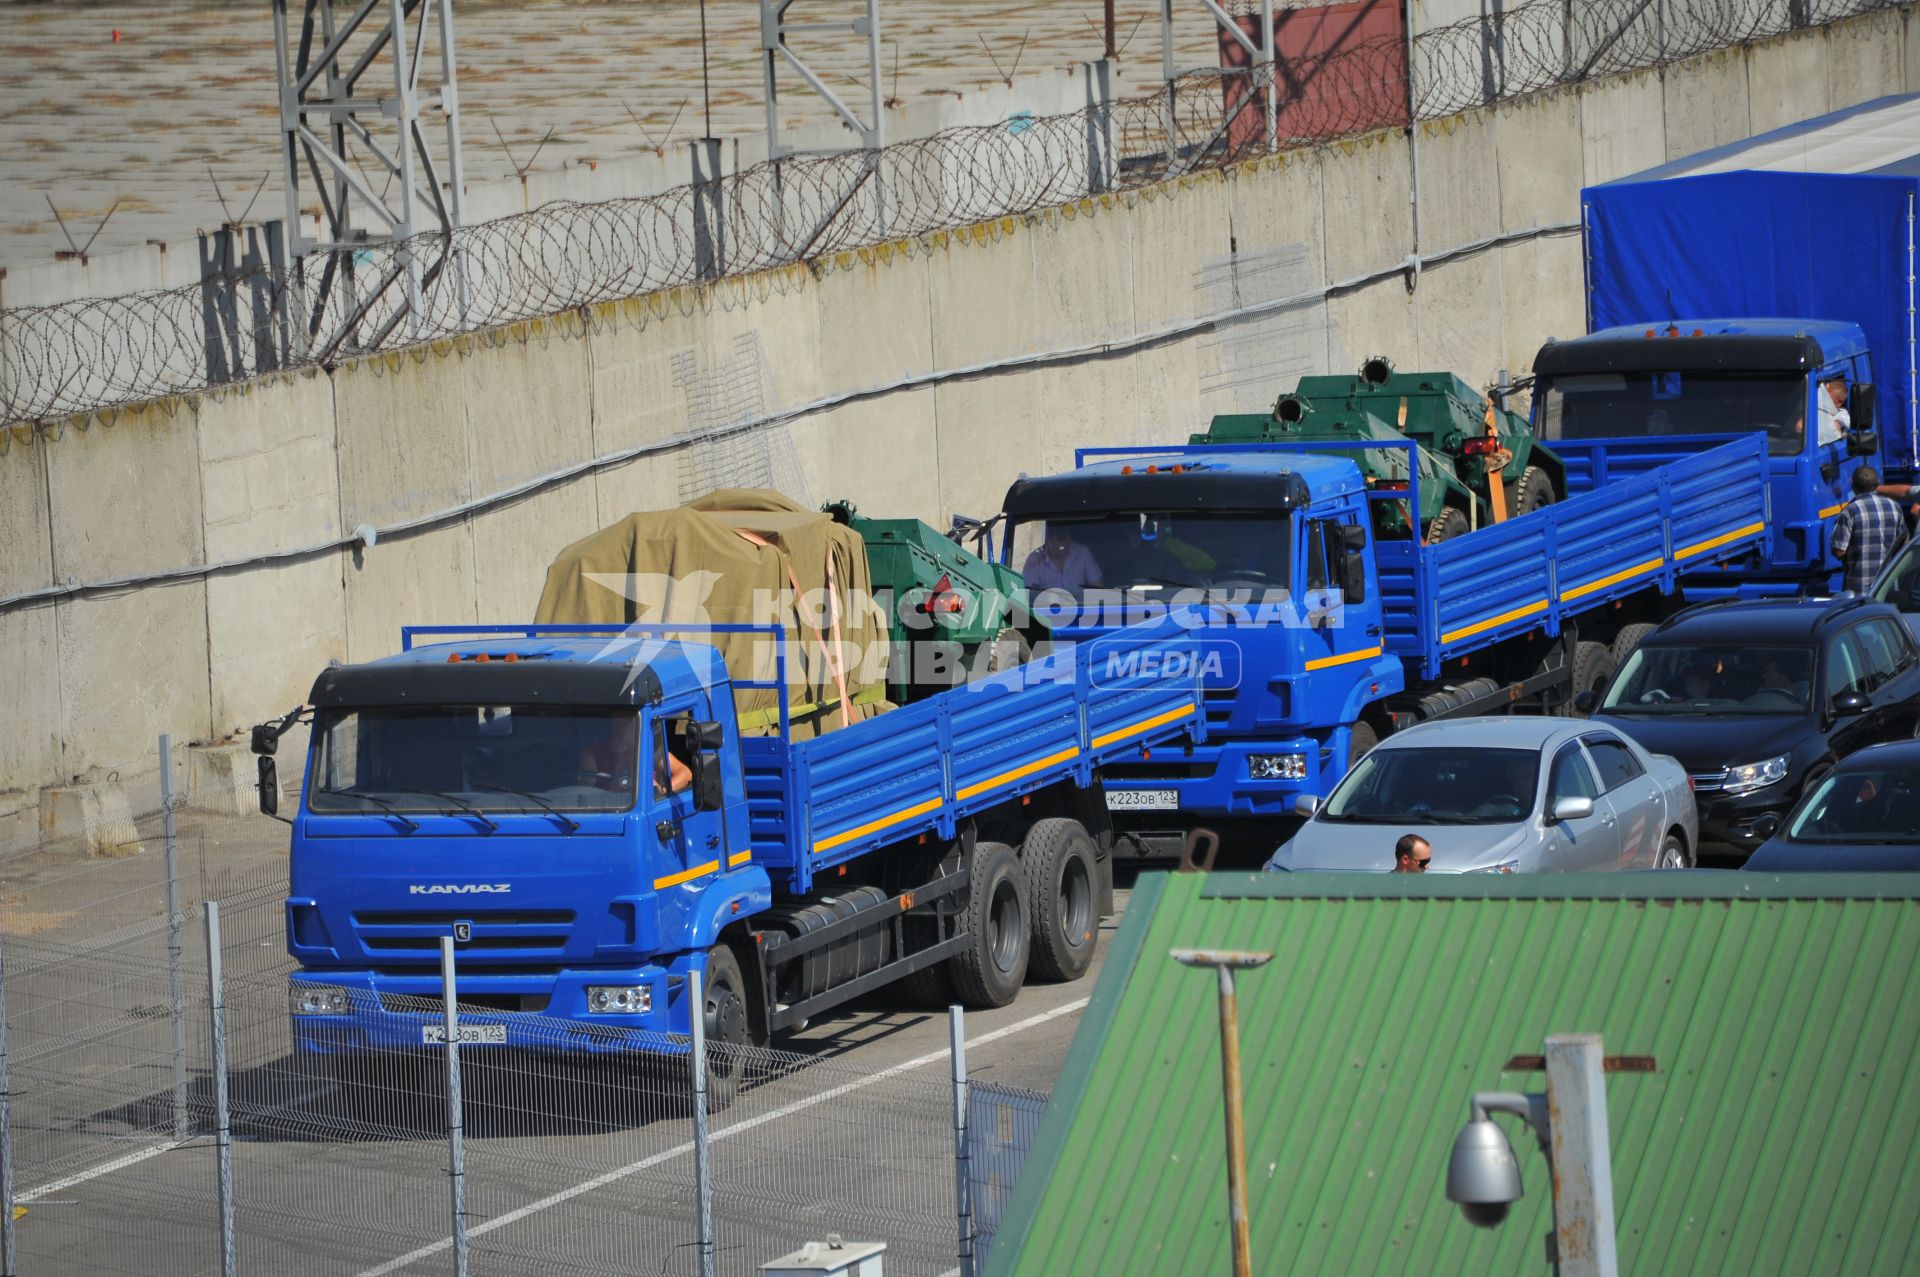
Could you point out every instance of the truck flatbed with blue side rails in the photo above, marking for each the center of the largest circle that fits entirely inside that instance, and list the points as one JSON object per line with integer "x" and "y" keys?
{"x": 1327, "y": 637}
{"x": 578, "y": 810}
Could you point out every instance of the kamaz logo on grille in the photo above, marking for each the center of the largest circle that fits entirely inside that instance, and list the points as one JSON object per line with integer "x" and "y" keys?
{"x": 459, "y": 888}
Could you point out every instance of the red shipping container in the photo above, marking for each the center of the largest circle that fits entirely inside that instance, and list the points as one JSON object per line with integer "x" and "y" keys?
{"x": 1342, "y": 69}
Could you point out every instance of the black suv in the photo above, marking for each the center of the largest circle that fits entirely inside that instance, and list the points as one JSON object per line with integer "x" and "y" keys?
{"x": 1759, "y": 698}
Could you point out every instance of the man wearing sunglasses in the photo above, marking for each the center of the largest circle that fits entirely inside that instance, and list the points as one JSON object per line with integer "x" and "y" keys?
{"x": 1411, "y": 855}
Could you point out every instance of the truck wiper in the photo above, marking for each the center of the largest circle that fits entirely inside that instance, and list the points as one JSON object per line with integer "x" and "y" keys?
{"x": 481, "y": 816}
{"x": 381, "y": 803}
{"x": 567, "y": 822}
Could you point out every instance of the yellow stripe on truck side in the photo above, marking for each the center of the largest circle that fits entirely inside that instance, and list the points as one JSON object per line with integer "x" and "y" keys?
{"x": 1148, "y": 725}
{"x": 1701, "y": 547}
{"x": 1004, "y": 778}
{"x": 685, "y": 875}
{"x": 874, "y": 826}
{"x": 1345, "y": 658}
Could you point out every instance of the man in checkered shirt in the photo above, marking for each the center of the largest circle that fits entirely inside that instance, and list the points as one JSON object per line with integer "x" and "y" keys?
{"x": 1867, "y": 532}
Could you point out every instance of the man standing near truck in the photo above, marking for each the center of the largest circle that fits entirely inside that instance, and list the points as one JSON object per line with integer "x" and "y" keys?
{"x": 1867, "y": 532}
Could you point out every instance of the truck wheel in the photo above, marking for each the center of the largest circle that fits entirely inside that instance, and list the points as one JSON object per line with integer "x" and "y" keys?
{"x": 1449, "y": 523}
{"x": 1626, "y": 640}
{"x": 1592, "y": 671}
{"x": 929, "y": 986}
{"x": 1533, "y": 492}
{"x": 1361, "y": 739}
{"x": 728, "y": 1034}
{"x": 1064, "y": 881}
{"x": 990, "y": 970}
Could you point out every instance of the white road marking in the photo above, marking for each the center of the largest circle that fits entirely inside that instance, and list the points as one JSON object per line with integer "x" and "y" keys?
{"x": 647, "y": 1163}
{"x": 107, "y": 1168}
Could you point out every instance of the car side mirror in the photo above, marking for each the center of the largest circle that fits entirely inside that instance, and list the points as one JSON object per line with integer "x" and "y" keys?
{"x": 269, "y": 785}
{"x": 1305, "y": 805}
{"x": 1862, "y": 443}
{"x": 1767, "y": 826}
{"x": 1588, "y": 701}
{"x": 1860, "y": 407}
{"x": 707, "y": 781}
{"x": 705, "y": 735}
{"x": 1848, "y": 703}
{"x": 1571, "y": 809}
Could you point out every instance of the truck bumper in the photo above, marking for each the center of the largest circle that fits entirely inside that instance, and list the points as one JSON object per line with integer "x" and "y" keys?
{"x": 1215, "y": 781}
{"x": 396, "y": 1012}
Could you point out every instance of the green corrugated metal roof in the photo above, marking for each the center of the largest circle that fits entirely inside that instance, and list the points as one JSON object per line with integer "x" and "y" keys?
{"x": 1778, "y": 1135}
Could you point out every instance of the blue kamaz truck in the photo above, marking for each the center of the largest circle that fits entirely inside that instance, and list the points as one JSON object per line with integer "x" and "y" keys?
{"x": 1324, "y": 635}
{"x": 579, "y": 810}
{"x": 1753, "y": 288}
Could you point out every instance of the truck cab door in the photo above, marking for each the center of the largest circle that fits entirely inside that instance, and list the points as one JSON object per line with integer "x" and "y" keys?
{"x": 1578, "y": 844}
{"x": 1337, "y": 598}
{"x": 689, "y": 837}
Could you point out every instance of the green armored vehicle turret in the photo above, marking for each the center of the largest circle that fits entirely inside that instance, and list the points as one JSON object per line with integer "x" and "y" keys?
{"x": 1462, "y": 439}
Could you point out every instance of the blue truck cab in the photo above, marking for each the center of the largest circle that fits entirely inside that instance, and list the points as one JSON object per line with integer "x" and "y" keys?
{"x": 1323, "y": 636}
{"x": 577, "y": 810}
{"x": 1625, "y": 400}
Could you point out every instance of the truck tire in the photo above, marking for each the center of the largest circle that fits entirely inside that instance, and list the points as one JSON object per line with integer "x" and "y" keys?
{"x": 1593, "y": 669}
{"x": 1446, "y": 525}
{"x": 1533, "y": 491}
{"x": 728, "y": 1032}
{"x": 929, "y": 987}
{"x": 1626, "y": 640}
{"x": 988, "y": 973}
{"x": 1361, "y": 739}
{"x": 1064, "y": 882}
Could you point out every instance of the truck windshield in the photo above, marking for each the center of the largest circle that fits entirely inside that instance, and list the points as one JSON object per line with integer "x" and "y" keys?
{"x": 1646, "y": 405}
{"x": 1154, "y": 550}
{"x": 500, "y": 758}
{"x": 1712, "y": 678}
{"x": 1438, "y": 787}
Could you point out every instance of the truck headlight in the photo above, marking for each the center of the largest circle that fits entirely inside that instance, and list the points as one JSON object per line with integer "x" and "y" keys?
{"x": 624, "y": 999}
{"x": 1277, "y": 766}
{"x": 1504, "y": 867}
{"x": 1752, "y": 776}
{"x": 318, "y": 999}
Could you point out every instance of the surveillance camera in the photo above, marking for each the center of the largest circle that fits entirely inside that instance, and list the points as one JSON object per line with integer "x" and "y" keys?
{"x": 1486, "y": 1214}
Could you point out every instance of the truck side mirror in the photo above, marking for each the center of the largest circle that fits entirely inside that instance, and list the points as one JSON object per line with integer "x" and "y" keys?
{"x": 708, "y": 790}
{"x": 269, "y": 781}
{"x": 1862, "y": 443}
{"x": 1860, "y": 406}
{"x": 1353, "y": 562}
{"x": 265, "y": 739}
{"x": 705, "y": 735}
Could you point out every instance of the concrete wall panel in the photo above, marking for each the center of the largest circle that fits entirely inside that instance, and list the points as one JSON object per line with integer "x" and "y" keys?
{"x": 1541, "y": 164}
{"x": 1623, "y": 123}
{"x": 1084, "y": 288}
{"x": 30, "y": 689}
{"x": 1172, "y": 238}
{"x": 881, "y": 455}
{"x": 25, "y": 526}
{"x": 529, "y": 407}
{"x": 1543, "y": 283}
{"x": 132, "y": 666}
{"x": 513, "y": 546}
{"x": 874, "y": 322}
{"x": 269, "y": 632}
{"x": 268, "y": 473}
{"x": 143, "y": 458}
{"x": 1377, "y": 320}
{"x": 1865, "y": 60}
{"x": 1458, "y": 328}
{"x": 401, "y": 423}
{"x": 423, "y": 579}
{"x": 981, "y": 285}
{"x": 1277, "y": 204}
{"x": 1784, "y": 77}
{"x": 641, "y": 355}
{"x": 986, "y": 437}
{"x": 1364, "y": 187}
{"x": 1706, "y": 102}
{"x": 1459, "y": 181}
{"x": 650, "y": 483}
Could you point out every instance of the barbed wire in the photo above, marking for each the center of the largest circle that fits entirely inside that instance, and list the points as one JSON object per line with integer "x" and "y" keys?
{"x": 91, "y": 354}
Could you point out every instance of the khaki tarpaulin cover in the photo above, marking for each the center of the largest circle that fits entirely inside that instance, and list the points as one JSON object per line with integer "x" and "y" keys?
{"x": 741, "y": 556}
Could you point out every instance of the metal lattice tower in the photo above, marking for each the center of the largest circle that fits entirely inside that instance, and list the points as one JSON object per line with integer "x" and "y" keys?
{"x": 355, "y": 81}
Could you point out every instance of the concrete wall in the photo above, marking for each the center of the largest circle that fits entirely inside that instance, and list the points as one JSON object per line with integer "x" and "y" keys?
{"x": 303, "y": 459}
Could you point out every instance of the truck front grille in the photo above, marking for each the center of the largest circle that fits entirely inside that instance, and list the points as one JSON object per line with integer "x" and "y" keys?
{"x": 415, "y": 1004}
{"x": 503, "y": 931}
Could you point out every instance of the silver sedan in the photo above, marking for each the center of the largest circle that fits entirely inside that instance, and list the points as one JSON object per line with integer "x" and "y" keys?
{"x": 1503, "y": 795}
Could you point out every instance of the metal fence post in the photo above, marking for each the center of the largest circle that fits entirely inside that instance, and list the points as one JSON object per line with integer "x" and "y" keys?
{"x": 697, "y": 1070}
{"x": 176, "y": 996}
{"x": 962, "y": 1155}
{"x": 1582, "y": 1160}
{"x": 456, "y": 1133}
{"x": 9, "y": 1256}
{"x": 222, "y": 1127}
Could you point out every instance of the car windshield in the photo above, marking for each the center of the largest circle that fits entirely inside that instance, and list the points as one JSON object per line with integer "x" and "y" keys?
{"x": 1861, "y": 805}
{"x": 1155, "y": 550}
{"x": 1646, "y": 405}
{"x": 1715, "y": 678}
{"x": 498, "y": 758}
{"x": 1438, "y": 787}
{"x": 1900, "y": 581}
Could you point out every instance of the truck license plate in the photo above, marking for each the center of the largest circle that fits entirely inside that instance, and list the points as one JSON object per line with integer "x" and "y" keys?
{"x": 434, "y": 1034}
{"x": 1142, "y": 800}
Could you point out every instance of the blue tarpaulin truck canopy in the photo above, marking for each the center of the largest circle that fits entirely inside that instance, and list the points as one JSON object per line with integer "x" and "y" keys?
{"x": 1812, "y": 221}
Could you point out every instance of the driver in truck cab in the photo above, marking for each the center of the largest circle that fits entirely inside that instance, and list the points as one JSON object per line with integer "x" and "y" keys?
{"x": 1060, "y": 563}
{"x": 609, "y": 762}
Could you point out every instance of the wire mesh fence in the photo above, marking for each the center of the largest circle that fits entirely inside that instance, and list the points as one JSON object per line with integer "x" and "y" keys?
{"x": 578, "y": 1157}
{"x": 91, "y": 354}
